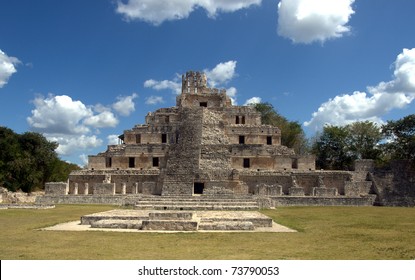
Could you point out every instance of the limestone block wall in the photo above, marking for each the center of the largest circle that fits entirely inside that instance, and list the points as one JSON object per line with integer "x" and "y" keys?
{"x": 184, "y": 157}
{"x": 305, "y": 163}
{"x": 242, "y": 115}
{"x": 253, "y": 134}
{"x": 306, "y": 181}
{"x": 96, "y": 162}
{"x": 104, "y": 189}
{"x": 57, "y": 188}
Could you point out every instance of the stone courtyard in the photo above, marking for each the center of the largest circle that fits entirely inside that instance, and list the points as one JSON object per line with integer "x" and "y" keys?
{"x": 174, "y": 221}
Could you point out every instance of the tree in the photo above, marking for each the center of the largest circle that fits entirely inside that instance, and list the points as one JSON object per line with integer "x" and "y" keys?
{"x": 363, "y": 140}
{"x": 338, "y": 146}
{"x": 292, "y": 134}
{"x": 331, "y": 149}
{"x": 401, "y": 138}
{"x": 29, "y": 160}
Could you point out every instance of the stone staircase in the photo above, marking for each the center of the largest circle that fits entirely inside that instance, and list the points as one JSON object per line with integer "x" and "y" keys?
{"x": 196, "y": 203}
{"x": 160, "y": 220}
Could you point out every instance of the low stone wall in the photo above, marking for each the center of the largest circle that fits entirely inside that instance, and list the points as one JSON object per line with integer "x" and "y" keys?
{"x": 323, "y": 201}
{"x": 18, "y": 197}
{"x": 84, "y": 199}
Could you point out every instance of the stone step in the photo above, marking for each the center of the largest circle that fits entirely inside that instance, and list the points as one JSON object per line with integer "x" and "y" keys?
{"x": 161, "y": 202}
{"x": 116, "y": 223}
{"x": 171, "y": 225}
{"x": 227, "y": 225}
{"x": 174, "y": 199}
{"x": 195, "y": 207}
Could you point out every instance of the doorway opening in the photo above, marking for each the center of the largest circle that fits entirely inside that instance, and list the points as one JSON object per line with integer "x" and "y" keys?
{"x": 198, "y": 188}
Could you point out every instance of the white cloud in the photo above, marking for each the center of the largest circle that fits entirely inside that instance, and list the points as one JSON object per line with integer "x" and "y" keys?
{"x": 306, "y": 21}
{"x": 152, "y": 100}
{"x": 174, "y": 85}
{"x": 71, "y": 123}
{"x": 7, "y": 67}
{"x": 112, "y": 139}
{"x": 59, "y": 115}
{"x": 231, "y": 93}
{"x": 84, "y": 160}
{"x": 158, "y": 11}
{"x": 104, "y": 119}
{"x": 125, "y": 104}
{"x": 71, "y": 144}
{"x": 379, "y": 100}
{"x": 221, "y": 74}
{"x": 253, "y": 100}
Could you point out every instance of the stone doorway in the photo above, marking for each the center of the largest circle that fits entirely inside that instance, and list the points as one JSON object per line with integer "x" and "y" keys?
{"x": 198, "y": 188}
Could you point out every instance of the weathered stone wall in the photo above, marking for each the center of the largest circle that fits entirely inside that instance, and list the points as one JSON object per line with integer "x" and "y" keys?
{"x": 305, "y": 180}
{"x": 57, "y": 188}
{"x": 323, "y": 201}
{"x": 183, "y": 161}
{"x": 18, "y": 197}
{"x": 395, "y": 184}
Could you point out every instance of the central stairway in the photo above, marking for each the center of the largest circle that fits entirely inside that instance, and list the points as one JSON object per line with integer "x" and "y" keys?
{"x": 196, "y": 203}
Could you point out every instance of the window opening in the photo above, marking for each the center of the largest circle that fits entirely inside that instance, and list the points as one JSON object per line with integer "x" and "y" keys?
{"x": 241, "y": 139}
{"x": 108, "y": 162}
{"x": 164, "y": 138}
{"x": 269, "y": 140}
{"x": 138, "y": 138}
{"x": 203, "y": 104}
{"x": 198, "y": 188}
{"x": 247, "y": 163}
{"x": 155, "y": 161}
{"x": 131, "y": 162}
{"x": 243, "y": 120}
{"x": 237, "y": 120}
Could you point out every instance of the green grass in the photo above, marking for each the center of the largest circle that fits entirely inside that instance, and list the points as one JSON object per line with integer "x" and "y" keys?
{"x": 323, "y": 233}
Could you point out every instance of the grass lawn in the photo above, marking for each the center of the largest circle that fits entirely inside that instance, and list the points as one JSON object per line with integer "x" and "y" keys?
{"x": 343, "y": 233}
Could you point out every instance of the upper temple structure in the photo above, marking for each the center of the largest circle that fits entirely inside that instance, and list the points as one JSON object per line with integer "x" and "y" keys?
{"x": 205, "y": 146}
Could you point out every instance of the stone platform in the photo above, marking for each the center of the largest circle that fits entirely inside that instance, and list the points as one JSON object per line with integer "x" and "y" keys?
{"x": 175, "y": 221}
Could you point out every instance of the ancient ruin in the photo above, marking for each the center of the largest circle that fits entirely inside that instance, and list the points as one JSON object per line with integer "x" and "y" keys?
{"x": 206, "y": 154}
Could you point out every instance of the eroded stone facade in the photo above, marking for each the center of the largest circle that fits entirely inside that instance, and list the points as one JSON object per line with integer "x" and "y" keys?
{"x": 206, "y": 146}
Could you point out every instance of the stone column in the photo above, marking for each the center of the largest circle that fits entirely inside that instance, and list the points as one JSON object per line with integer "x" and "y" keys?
{"x": 136, "y": 188}
{"x": 123, "y": 188}
{"x": 86, "y": 189}
{"x": 75, "y": 189}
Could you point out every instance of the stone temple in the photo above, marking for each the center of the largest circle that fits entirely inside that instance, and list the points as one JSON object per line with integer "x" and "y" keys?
{"x": 205, "y": 148}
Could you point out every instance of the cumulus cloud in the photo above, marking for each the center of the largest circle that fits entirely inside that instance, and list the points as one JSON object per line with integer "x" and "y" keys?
{"x": 71, "y": 123}
{"x": 70, "y": 144}
{"x": 253, "y": 100}
{"x": 305, "y": 21}
{"x": 378, "y": 100}
{"x": 158, "y": 11}
{"x": 221, "y": 74}
{"x": 112, "y": 139}
{"x": 231, "y": 92}
{"x": 173, "y": 85}
{"x": 125, "y": 105}
{"x": 59, "y": 115}
{"x": 153, "y": 100}
{"x": 104, "y": 119}
{"x": 7, "y": 67}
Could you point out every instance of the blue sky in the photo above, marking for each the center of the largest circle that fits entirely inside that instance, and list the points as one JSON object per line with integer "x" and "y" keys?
{"x": 81, "y": 72}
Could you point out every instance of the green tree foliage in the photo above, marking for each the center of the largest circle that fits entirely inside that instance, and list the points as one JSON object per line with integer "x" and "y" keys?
{"x": 400, "y": 137}
{"x": 29, "y": 160}
{"x": 331, "y": 149}
{"x": 292, "y": 134}
{"x": 363, "y": 140}
{"x": 338, "y": 146}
